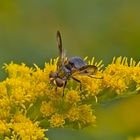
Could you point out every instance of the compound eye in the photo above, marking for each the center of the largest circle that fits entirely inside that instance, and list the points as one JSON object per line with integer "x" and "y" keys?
{"x": 52, "y": 76}
{"x": 59, "y": 82}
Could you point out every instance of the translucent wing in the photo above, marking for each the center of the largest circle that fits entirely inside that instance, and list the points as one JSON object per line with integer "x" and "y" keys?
{"x": 86, "y": 70}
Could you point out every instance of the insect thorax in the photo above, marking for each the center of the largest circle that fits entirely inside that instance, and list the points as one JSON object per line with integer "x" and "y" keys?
{"x": 76, "y": 62}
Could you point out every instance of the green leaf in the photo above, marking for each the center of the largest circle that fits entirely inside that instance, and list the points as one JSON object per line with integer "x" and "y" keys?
{"x": 67, "y": 134}
{"x": 34, "y": 111}
{"x": 44, "y": 123}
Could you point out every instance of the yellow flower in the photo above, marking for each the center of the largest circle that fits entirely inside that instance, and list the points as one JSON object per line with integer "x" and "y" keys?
{"x": 86, "y": 114}
{"x": 57, "y": 120}
{"x": 117, "y": 75}
{"x": 28, "y": 92}
{"x": 39, "y": 75}
{"x": 3, "y": 90}
{"x": 15, "y": 70}
{"x": 4, "y": 103}
{"x": 5, "y": 107}
{"x": 51, "y": 66}
{"x": 20, "y": 90}
{"x": 19, "y": 118}
{"x": 99, "y": 64}
{"x": 25, "y": 129}
{"x": 72, "y": 97}
{"x": 73, "y": 114}
{"x": 92, "y": 86}
{"x": 4, "y": 127}
{"x": 47, "y": 109}
{"x": 4, "y": 113}
{"x": 135, "y": 73}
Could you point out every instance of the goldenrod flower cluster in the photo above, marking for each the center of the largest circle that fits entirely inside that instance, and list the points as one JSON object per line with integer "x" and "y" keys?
{"x": 29, "y": 104}
{"x": 23, "y": 128}
{"x": 122, "y": 74}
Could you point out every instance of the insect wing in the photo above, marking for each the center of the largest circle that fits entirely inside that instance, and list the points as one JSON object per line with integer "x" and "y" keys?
{"x": 59, "y": 43}
{"x": 60, "y": 61}
{"x": 86, "y": 70}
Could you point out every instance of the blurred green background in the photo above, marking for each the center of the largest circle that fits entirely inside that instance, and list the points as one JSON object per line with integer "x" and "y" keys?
{"x": 93, "y": 27}
{"x": 100, "y": 28}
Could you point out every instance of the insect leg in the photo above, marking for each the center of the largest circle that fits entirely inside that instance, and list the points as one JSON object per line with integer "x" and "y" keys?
{"x": 77, "y": 81}
{"x": 56, "y": 89}
{"x": 64, "y": 87}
